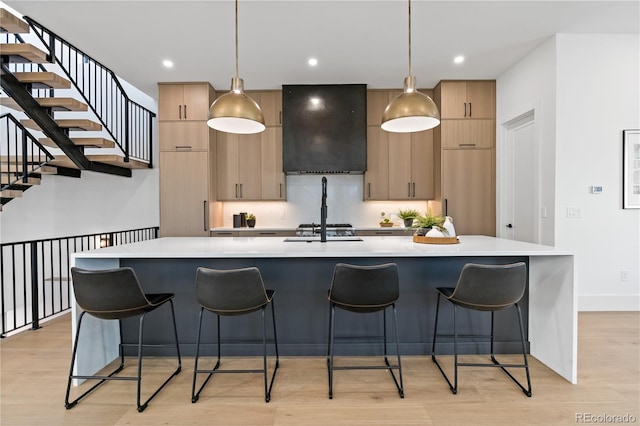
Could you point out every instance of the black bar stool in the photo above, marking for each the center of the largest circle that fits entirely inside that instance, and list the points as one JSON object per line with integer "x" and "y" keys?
{"x": 230, "y": 293}
{"x": 365, "y": 289}
{"x": 116, "y": 294}
{"x": 485, "y": 288}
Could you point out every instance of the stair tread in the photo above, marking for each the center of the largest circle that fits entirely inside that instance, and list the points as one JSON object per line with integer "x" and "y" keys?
{"x": 113, "y": 159}
{"x": 43, "y": 80}
{"x": 86, "y": 142}
{"x": 11, "y": 193}
{"x": 56, "y": 104}
{"x": 10, "y": 23}
{"x": 23, "y": 52}
{"x": 67, "y": 123}
{"x": 17, "y": 168}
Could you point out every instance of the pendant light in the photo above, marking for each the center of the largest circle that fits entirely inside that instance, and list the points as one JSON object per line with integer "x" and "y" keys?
{"x": 235, "y": 112}
{"x": 410, "y": 111}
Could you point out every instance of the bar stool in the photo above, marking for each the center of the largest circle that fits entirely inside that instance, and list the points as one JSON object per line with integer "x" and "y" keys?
{"x": 485, "y": 288}
{"x": 230, "y": 293}
{"x": 116, "y": 294}
{"x": 365, "y": 289}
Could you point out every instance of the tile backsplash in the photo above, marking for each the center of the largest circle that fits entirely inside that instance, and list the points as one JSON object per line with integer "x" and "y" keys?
{"x": 304, "y": 195}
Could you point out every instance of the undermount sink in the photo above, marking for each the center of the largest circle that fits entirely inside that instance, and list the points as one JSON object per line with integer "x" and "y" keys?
{"x": 317, "y": 239}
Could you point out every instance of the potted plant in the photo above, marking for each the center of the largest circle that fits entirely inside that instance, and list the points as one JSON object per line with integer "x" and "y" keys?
{"x": 408, "y": 215}
{"x": 251, "y": 220}
{"x": 423, "y": 224}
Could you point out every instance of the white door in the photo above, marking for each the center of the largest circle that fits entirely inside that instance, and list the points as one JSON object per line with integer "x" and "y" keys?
{"x": 520, "y": 181}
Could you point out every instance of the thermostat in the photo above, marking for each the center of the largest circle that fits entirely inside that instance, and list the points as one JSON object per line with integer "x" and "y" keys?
{"x": 596, "y": 189}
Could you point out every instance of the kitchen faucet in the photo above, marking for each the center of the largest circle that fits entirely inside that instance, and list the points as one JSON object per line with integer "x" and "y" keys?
{"x": 323, "y": 212}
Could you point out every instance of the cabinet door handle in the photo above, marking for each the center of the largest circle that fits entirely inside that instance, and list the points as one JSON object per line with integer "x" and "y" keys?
{"x": 280, "y": 117}
{"x": 266, "y": 233}
{"x": 409, "y": 189}
{"x": 446, "y": 207}
{"x": 470, "y": 145}
{"x": 205, "y": 215}
{"x": 414, "y": 190}
{"x": 465, "y": 109}
{"x": 185, "y": 112}
{"x": 186, "y": 147}
{"x": 236, "y": 190}
{"x": 180, "y": 112}
{"x": 369, "y": 189}
{"x": 280, "y": 190}
{"x": 241, "y": 191}
{"x": 469, "y": 109}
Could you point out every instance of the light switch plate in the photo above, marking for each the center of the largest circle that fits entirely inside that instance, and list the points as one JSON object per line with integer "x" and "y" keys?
{"x": 596, "y": 189}
{"x": 574, "y": 212}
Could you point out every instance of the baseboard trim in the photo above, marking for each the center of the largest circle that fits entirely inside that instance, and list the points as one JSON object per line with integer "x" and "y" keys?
{"x": 609, "y": 302}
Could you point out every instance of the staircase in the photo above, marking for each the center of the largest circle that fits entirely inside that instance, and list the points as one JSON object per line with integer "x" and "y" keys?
{"x": 76, "y": 105}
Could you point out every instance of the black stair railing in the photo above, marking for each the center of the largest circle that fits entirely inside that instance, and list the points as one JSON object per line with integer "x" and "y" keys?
{"x": 128, "y": 123}
{"x": 9, "y": 38}
{"x": 21, "y": 154}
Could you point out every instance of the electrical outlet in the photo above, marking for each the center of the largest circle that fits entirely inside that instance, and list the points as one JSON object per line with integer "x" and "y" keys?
{"x": 574, "y": 212}
{"x": 543, "y": 212}
{"x": 281, "y": 214}
{"x": 624, "y": 275}
{"x": 596, "y": 189}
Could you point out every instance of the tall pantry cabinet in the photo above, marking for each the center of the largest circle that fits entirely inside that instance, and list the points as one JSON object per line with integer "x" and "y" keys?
{"x": 188, "y": 206}
{"x": 464, "y": 147}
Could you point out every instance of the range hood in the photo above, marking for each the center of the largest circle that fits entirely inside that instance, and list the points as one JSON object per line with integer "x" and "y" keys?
{"x": 324, "y": 128}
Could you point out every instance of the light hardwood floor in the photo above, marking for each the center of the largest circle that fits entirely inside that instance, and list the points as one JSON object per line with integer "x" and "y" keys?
{"x": 35, "y": 364}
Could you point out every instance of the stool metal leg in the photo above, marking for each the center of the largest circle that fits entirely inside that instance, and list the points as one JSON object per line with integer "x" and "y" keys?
{"x": 331, "y": 348}
{"x": 196, "y": 395}
{"x": 275, "y": 340}
{"x": 395, "y": 332}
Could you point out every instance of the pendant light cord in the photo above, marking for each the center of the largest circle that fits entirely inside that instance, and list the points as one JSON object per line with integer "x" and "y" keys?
{"x": 409, "y": 38}
{"x": 237, "y": 74}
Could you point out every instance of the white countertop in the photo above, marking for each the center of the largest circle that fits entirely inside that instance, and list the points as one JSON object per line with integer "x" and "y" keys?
{"x": 276, "y": 247}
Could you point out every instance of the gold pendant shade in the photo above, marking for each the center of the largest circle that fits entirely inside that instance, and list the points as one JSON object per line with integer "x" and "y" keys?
{"x": 235, "y": 112}
{"x": 410, "y": 111}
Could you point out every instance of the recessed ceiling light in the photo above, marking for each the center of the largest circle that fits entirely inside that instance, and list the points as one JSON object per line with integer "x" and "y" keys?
{"x": 167, "y": 63}
{"x": 458, "y": 59}
{"x": 312, "y": 62}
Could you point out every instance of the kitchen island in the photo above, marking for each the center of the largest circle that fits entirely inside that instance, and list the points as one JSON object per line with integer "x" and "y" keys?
{"x": 301, "y": 272}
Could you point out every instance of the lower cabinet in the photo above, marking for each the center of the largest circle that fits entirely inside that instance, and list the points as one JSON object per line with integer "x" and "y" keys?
{"x": 184, "y": 194}
{"x": 468, "y": 190}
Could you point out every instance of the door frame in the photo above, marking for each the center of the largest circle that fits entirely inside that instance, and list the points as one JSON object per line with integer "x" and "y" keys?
{"x": 504, "y": 167}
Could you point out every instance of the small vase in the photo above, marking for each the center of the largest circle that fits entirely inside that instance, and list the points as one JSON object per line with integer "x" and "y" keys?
{"x": 251, "y": 223}
{"x": 435, "y": 233}
{"x": 448, "y": 225}
{"x": 408, "y": 222}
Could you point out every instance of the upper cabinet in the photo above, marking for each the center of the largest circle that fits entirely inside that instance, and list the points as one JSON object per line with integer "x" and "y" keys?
{"x": 466, "y": 99}
{"x": 185, "y": 101}
{"x": 271, "y": 103}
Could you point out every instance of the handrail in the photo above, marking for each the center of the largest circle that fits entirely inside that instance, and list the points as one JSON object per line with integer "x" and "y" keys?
{"x": 32, "y": 157}
{"x": 35, "y": 279}
{"x": 127, "y": 122}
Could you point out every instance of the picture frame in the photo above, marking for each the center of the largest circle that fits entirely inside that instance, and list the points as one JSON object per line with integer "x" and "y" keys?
{"x": 631, "y": 169}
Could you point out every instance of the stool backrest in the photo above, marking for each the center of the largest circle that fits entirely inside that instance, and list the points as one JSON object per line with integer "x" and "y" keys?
{"x": 229, "y": 292}
{"x": 491, "y": 287}
{"x": 110, "y": 293}
{"x": 364, "y": 288}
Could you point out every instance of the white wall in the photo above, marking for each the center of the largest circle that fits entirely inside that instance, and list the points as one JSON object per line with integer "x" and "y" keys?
{"x": 344, "y": 204}
{"x": 582, "y": 108}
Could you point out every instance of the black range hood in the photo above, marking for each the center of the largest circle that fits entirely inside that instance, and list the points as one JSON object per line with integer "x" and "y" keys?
{"x": 324, "y": 128}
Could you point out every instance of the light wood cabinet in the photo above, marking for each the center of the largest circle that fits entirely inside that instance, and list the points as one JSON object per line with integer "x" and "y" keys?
{"x": 411, "y": 166}
{"x": 399, "y": 165}
{"x": 376, "y": 178}
{"x": 183, "y": 135}
{"x": 184, "y": 194}
{"x": 465, "y": 155}
{"x": 468, "y": 179}
{"x": 270, "y": 102}
{"x": 273, "y": 181}
{"x": 466, "y": 99}
{"x": 468, "y": 133}
{"x": 188, "y": 205}
{"x": 239, "y": 167}
{"x": 184, "y": 101}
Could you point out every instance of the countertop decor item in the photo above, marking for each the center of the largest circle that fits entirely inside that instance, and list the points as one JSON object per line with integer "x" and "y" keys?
{"x": 251, "y": 220}
{"x": 408, "y": 215}
{"x": 386, "y": 223}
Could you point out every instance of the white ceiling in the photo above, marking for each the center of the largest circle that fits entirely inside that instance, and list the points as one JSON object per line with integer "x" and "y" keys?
{"x": 354, "y": 41}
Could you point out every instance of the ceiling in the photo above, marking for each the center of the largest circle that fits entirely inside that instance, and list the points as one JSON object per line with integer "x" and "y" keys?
{"x": 354, "y": 41}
